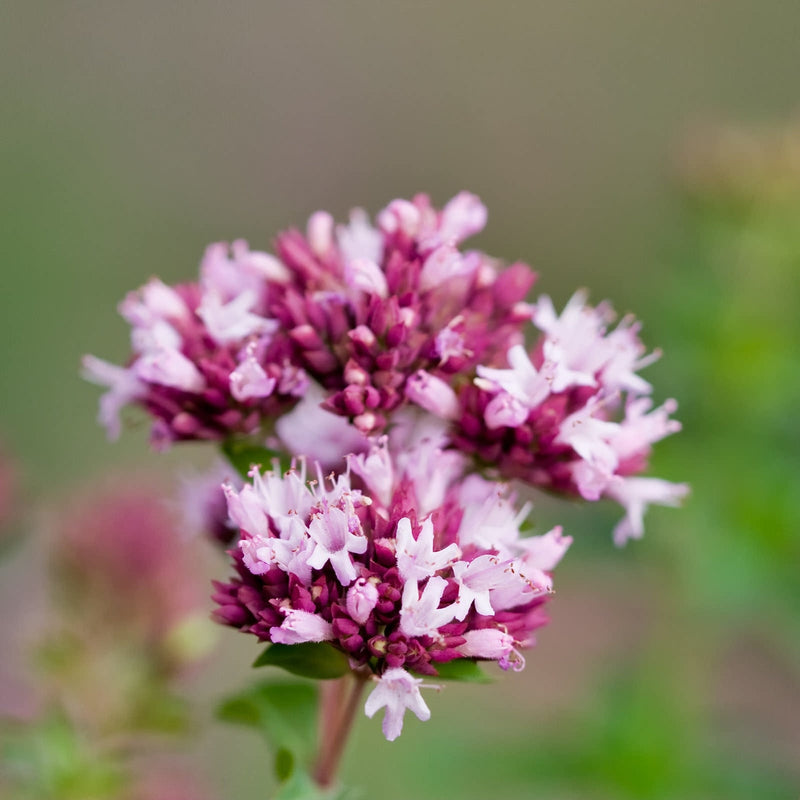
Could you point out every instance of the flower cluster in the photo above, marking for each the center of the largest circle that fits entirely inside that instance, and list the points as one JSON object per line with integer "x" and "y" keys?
{"x": 375, "y": 316}
{"x": 552, "y": 417}
{"x": 362, "y": 321}
{"x": 392, "y": 364}
{"x": 206, "y": 362}
{"x": 398, "y": 562}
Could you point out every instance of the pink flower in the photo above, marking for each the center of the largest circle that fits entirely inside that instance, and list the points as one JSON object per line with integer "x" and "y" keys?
{"x": 432, "y": 394}
{"x": 462, "y": 217}
{"x": 124, "y": 388}
{"x": 547, "y": 550}
{"x": 416, "y": 558}
{"x": 228, "y": 322}
{"x": 420, "y": 614}
{"x": 590, "y": 436}
{"x": 489, "y": 643}
{"x": 337, "y": 532}
{"x": 301, "y": 626}
{"x": 395, "y": 589}
{"x": 523, "y": 382}
{"x": 249, "y": 380}
{"x": 362, "y": 597}
{"x": 396, "y": 691}
{"x": 230, "y": 271}
{"x": 635, "y": 494}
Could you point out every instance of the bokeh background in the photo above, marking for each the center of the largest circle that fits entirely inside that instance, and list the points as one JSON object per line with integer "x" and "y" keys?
{"x": 647, "y": 150}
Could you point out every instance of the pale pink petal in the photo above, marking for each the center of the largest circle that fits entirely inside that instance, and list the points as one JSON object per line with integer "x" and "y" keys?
{"x": 432, "y": 394}
{"x": 362, "y": 597}
{"x": 249, "y": 380}
{"x": 416, "y": 558}
{"x": 170, "y": 368}
{"x": 396, "y": 691}
{"x": 635, "y": 495}
{"x": 301, "y": 626}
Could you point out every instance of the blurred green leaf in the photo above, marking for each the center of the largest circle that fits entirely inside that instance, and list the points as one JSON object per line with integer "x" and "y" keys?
{"x": 284, "y": 764}
{"x": 463, "y": 669}
{"x": 48, "y": 758}
{"x": 284, "y": 711}
{"x": 242, "y": 455}
{"x": 308, "y": 659}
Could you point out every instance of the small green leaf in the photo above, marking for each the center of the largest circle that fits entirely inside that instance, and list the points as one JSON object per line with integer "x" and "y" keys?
{"x": 242, "y": 455}
{"x": 284, "y": 764}
{"x": 307, "y": 659}
{"x": 284, "y": 711}
{"x": 463, "y": 669}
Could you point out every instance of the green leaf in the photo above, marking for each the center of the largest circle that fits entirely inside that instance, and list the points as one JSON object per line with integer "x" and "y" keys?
{"x": 463, "y": 669}
{"x": 285, "y": 712}
{"x": 284, "y": 764}
{"x": 307, "y": 659}
{"x": 242, "y": 455}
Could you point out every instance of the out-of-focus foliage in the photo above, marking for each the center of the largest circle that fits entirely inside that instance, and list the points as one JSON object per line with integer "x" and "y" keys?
{"x": 122, "y": 625}
{"x": 734, "y": 332}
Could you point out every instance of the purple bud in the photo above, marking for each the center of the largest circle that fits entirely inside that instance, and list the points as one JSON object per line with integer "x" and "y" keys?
{"x": 361, "y": 599}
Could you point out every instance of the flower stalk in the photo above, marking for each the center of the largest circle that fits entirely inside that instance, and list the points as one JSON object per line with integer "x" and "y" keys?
{"x": 339, "y": 701}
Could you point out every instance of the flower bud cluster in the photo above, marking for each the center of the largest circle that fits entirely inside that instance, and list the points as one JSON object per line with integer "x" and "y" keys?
{"x": 573, "y": 415}
{"x": 399, "y": 577}
{"x": 206, "y": 361}
{"x": 362, "y": 321}
{"x": 391, "y": 363}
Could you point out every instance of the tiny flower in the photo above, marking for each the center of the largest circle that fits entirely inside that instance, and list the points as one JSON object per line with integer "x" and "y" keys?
{"x": 527, "y": 385}
{"x": 232, "y": 321}
{"x": 171, "y": 368}
{"x": 230, "y": 271}
{"x": 489, "y": 520}
{"x": 642, "y": 427}
{"x": 366, "y": 275}
{"x": 301, "y": 626}
{"x": 337, "y": 533}
{"x": 547, "y": 550}
{"x": 476, "y": 579}
{"x": 249, "y": 380}
{"x": 443, "y": 264}
{"x": 153, "y": 303}
{"x": 489, "y": 643}
{"x": 396, "y": 691}
{"x": 320, "y": 232}
{"x": 635, "y": 494}
{"x": 362, "y": 597}
{"x": 432, "y": 394}
{"x": 505, "y": 411}
{"x": 375, "y": 468}
{"x": 416, "y": 558}
{"x": 359, "y": 239}
{"x": 124, "y": 388}
{"x": 246, "y": 509}
{"x": 590, "y": 436}
{"x": 420, "y": 614}
{"x": 462, "y": 217}
{"x": 400, "y": 216}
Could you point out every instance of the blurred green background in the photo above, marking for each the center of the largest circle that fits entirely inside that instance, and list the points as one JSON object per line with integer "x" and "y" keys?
{"x": 134, "y": 134}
